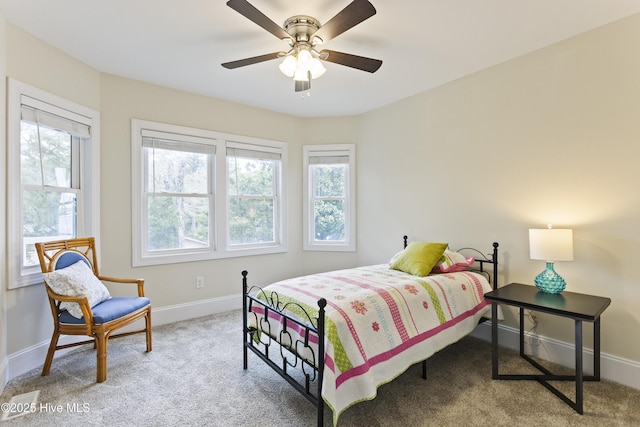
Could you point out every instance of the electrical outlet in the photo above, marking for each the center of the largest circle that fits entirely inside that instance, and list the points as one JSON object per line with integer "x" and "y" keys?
{"x": 199, "y": 282}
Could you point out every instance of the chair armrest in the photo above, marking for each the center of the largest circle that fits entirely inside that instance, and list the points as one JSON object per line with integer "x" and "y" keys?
{"x": 139, "y": 282}
{"x": 67, "y": 298}
{"x": 81, "y": 300}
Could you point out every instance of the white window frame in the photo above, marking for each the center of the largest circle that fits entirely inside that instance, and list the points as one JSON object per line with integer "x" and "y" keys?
{"x": 88, "y": 216}
{"x": 186, "y": 143}
{"x": 220, "y": 247}
{"x": 327, "y": 150}
{"x": 257, "y": 152}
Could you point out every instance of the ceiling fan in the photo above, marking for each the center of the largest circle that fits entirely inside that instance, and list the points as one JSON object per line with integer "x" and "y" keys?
{"x": 303, "y": 33}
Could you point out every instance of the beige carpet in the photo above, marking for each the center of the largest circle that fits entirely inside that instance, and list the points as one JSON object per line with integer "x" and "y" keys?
{"x": 194, "y": 377}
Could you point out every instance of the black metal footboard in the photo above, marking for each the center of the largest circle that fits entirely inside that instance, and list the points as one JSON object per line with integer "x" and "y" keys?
{"x": 266, "y": 322}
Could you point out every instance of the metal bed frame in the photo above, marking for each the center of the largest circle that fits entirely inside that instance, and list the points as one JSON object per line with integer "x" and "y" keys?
{"x": 289, "y": 351}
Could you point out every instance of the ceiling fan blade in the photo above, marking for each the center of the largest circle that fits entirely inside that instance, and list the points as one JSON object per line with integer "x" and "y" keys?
{"x": 253, "y": 60}
{"x": 356, "y": 12}
{"x": 250, "y": 12}
{"x": 349, "y": 60}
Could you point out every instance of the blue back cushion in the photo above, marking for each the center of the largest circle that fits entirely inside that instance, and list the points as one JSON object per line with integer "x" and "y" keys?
{"x": 69, "y": 258}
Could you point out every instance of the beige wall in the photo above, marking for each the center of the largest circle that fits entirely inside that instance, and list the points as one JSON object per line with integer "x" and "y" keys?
{"x": 549, "y": 137}
{"x": 36, "y": 63}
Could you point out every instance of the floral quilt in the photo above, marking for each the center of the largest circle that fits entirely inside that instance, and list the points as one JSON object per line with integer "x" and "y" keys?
{"x": 381, "y": 321}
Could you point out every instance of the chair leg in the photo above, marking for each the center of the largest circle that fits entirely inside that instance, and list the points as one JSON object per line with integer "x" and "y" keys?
{"x": 101, "y": 356}
{"x": 147, "y": 321}
{"x": 52, "y": 349}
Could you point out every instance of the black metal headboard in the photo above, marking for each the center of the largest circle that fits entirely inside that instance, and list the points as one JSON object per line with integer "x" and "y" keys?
{"x": 482, "y": 259}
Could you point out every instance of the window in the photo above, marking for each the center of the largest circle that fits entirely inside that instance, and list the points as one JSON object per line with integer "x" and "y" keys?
{"x": 53, "y": 175}
{"x": 201, "y": 195}
{"x": 252, "y": 186}
{"x": 177, "y": 193}
{"x": 329, "y": 194}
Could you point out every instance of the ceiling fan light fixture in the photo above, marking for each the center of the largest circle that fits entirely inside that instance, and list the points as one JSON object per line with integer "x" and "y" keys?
{"x": 316, "y": 68}
{"x": 304, "y": 58}
{"x": 288, "y": 66}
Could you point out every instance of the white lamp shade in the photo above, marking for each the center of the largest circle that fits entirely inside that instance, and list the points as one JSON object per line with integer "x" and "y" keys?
{"x": 551, "y": 244}
{"x": 304, "y": 58}
{"x": 288, "y": 66}
{"x": 316, "y": 68}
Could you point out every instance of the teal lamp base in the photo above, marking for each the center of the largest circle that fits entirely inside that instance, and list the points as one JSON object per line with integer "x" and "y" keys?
{"x": 549, "y": 281}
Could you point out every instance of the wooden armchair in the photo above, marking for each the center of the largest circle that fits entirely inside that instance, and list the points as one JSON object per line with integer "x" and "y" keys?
{"x": 58, "y": 261}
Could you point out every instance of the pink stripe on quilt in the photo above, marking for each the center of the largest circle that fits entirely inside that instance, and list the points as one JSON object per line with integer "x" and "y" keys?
{"x": 344, "y": 315}
{"x": 401, "y": 295}
{"x": 391, "y": 303}
{"x": 382, "y": 357}
{"x": 328, "y": 363}
{"x": 478, "y": 285}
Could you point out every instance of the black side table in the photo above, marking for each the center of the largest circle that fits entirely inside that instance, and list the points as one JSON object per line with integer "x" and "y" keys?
{"x": 580, "y": 307}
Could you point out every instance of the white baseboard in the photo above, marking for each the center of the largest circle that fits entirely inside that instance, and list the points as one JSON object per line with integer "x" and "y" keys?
{"x": 613, "y": 368}
{"x": 192, "y": 310}
{"x": 33, "y": 357}
{"x": 4, "y": 373}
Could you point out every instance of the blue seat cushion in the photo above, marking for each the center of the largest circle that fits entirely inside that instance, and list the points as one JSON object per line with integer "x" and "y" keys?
{"x": 108, "y": 310}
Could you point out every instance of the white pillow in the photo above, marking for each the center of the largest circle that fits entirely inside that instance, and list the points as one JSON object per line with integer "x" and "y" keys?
{"x": 77, "y": 280}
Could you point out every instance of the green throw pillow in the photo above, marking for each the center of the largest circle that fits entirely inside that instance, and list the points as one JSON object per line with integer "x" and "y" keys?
{"x": 419, "y": 258}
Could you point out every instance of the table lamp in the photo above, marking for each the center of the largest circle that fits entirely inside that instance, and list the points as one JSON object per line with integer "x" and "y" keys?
{"x": 550, "y": 244}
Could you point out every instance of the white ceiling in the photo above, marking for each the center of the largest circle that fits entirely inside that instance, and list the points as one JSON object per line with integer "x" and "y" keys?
{"x": 423, "y": 43}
